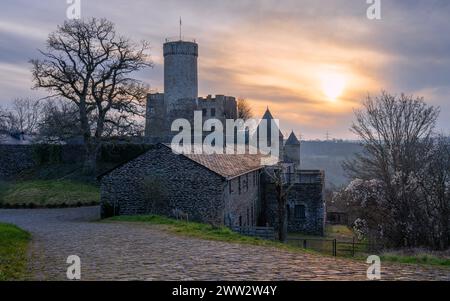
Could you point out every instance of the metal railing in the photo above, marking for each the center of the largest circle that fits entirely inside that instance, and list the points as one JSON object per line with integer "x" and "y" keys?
{"x": 334, "y": 247}
{"x": 301, "y": 177}
{"x": 261, "y": 232}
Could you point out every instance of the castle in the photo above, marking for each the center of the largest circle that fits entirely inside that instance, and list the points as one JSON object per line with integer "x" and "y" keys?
{"x": 232, "y": 190}
{"x": 180, "y": 98}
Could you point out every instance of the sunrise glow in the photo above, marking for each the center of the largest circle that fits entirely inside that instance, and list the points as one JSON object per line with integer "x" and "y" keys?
{"x": 333, "y": 85}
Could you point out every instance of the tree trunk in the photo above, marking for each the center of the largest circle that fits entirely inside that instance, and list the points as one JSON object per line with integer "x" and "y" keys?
{"x": 282, "y": 219}
{"x": 90, "y": 159}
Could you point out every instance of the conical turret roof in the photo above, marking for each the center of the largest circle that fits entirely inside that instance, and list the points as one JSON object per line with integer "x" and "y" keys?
{"x": 268, "y": 116}
{"x": 292, "y": 140}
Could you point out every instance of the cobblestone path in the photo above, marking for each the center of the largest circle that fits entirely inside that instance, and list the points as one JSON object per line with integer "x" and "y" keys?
{"x": 128, "y": 251}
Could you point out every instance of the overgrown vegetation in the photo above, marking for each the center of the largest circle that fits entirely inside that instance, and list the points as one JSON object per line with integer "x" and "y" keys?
{"x": 13, "y": 247}
{"x": 48, "y": 193}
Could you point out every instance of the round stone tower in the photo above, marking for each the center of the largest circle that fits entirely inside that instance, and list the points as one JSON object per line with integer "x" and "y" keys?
{"x": 180, "y": 78}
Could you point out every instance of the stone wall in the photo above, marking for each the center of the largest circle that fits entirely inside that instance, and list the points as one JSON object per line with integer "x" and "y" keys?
{"x": 242, "y": 205}
{"x": 155, "y": 121}
{"x": 159, "y": 182}
{"x": 180, "y": 74}
{"x": 309, "y": 195}
{"x": 15, "y": 159}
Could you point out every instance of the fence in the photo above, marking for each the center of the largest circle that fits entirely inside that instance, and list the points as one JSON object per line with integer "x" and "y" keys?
{"x": 261, "y": 232}
{"x": 334, "y": 247}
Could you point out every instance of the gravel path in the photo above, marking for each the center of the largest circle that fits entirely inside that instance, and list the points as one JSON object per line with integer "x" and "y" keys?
{"x": 128, "y": 251}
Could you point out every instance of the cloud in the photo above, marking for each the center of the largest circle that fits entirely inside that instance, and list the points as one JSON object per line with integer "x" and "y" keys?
{"x": 271, "y": 52}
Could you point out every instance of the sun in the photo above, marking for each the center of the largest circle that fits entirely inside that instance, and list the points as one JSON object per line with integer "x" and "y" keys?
{"x": 333, "y": 85}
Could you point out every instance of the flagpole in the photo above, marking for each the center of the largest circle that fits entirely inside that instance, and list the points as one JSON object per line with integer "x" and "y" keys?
{"x": 180, "y": 28}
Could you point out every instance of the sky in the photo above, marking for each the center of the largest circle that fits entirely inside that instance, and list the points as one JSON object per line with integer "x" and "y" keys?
{"x": 312, "y": 62}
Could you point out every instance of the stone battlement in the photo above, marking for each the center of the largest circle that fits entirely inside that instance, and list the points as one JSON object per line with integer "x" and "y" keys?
{"x": 180, "y": 48}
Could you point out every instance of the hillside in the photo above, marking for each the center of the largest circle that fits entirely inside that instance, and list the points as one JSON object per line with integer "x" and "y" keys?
{"x": 328, "y": 156}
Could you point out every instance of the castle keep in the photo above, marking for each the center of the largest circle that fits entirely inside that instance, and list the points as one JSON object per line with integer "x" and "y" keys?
{"x": 180, "y": 98}
{"x": 232, "y": 190}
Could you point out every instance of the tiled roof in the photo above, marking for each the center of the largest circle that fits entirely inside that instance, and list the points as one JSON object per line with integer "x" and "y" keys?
{"x": 227, "y": 166}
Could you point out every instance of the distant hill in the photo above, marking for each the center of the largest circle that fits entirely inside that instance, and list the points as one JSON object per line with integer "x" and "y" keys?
{"x": 328, "y": 156}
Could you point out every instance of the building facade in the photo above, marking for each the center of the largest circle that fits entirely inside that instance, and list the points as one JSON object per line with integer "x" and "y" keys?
{"x": 229, "y": 190}
{"x": 207, "y": 188}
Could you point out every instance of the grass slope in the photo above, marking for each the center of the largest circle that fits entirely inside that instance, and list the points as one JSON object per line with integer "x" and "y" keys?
{"x": 203, "y": 231}
{"x": 48, "y": 193}
{"x": 417, "y": 259}
{"x": 13, "y": 247}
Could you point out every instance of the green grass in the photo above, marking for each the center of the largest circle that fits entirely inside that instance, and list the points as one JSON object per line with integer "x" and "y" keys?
{"x": 417, "y": 259}
{"x": 202, "y": 231}
{"x": 324, "y": 244}
{"x": 13, "y": 248}
{"x": 48, "y": 193}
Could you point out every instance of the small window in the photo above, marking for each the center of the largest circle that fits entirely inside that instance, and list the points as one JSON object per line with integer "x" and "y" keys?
{"x": 299, "y": 212}
{"x": 213, "y": 112}
{"x": 246, "y": 182}
{"x": 248, "y": 217}
{"x": 152, "y": 110}
{"x": 239, "y": 186}
{"x": 240, "y": 221}
{"x": 204, "y": 112}
{"x": 230, "y": 188}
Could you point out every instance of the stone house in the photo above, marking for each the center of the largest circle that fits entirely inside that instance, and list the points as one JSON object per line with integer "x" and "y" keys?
{"x": 229, "y": 190}
{"x": 218, "y": 189}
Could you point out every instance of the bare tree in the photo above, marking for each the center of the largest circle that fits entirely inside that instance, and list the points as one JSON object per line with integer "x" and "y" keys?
{"x": 397, "y": 137}
{"x": 22, "y": 117}
{"x": 244, "y": 109}
{"x": 59, "y": 122}
{"x": 434, "y": 192}
{"x": 280, "y": 179}
{"x": 89, "y": 64}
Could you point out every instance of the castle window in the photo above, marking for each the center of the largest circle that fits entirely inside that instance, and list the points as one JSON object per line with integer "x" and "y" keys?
{"x": 230, "y": 188}
{"x": 151, "y": 110}
{"x": 204, "y": 112}
{"x": 299, "y": 212}
{"x": 248, "y": 217}
{"x": 213, "y": 112}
